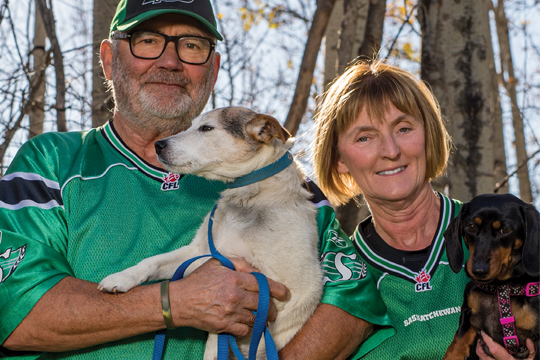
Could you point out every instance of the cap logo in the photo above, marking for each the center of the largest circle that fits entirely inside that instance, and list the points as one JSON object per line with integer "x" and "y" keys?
{"x": 153, "y": 2}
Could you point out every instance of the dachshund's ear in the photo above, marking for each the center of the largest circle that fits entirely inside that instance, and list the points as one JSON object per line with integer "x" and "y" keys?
{"x": 454, "y": 249}
{"x": 531, "y": 249}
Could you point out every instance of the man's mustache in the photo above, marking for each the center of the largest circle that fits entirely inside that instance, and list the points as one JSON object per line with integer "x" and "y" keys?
{"x": 168, "y": 79}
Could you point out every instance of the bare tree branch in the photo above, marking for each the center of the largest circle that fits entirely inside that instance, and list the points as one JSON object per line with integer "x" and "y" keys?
{"x": 521, "y": 165}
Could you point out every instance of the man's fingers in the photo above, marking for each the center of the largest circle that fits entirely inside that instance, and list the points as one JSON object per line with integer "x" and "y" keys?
{"x": 279, "y": 291}
{"x": 240, "y": 264}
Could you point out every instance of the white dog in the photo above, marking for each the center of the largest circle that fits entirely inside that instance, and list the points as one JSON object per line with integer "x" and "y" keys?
{"x": 270, "y": 223}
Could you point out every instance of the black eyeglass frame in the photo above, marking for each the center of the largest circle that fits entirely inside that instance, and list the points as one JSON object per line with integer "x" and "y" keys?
{"x": 168, "y": 38}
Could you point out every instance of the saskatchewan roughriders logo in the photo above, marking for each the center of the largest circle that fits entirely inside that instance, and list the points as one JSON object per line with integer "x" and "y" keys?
{"x": 9, "y": 260}
{"x": 338, "y": 266}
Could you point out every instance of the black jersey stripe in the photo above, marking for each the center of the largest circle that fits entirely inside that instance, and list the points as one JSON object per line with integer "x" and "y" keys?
{"x": 318, "y": 198}
{"x": 23, "y": 189}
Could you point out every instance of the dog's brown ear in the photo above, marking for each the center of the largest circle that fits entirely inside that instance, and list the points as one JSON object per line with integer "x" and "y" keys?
{"x": 531, "y": 249}
{"x": 454, "y": 248}
{"x": 264, "y": 128}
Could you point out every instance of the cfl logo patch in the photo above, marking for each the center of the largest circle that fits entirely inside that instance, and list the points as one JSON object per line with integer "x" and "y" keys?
{"x": 170, "y": 182}
{"x": 422, "y": 282}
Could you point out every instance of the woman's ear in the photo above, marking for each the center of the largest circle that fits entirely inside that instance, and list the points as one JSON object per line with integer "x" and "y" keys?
{"x": 342, "y": 168}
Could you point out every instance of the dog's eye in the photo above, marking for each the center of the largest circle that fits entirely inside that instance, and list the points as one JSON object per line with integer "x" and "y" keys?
{"x": 470, "y": 228}
{"x": 206, "y": 128}
{"x": 505, "y": 230}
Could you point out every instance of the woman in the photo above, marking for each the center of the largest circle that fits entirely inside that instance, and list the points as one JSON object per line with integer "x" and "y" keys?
{"x": 380, "y": 134}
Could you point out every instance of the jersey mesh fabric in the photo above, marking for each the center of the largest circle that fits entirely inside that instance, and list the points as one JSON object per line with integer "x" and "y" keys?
{"x": 425, "y": 319}
{"x": 425, "y": 322}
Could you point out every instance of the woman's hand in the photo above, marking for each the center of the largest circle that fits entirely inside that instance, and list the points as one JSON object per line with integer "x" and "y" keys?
{"x": 498, "y": 351}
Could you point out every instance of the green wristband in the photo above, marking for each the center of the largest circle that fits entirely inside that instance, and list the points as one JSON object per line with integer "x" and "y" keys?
{"x": 166, "y": 305}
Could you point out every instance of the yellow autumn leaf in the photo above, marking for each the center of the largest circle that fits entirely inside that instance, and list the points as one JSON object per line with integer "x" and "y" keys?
{"x": 408, "y": 50}
{"x": 220, "y": 16}
{"x": 289, "y": 64}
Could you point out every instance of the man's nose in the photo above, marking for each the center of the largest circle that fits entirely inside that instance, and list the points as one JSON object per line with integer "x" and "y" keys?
{"x": 170, "y": 59}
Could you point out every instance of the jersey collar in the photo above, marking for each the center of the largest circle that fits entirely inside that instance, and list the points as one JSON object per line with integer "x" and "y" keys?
{"x": 377, "y": 261}
{"x": 109, "y": 133}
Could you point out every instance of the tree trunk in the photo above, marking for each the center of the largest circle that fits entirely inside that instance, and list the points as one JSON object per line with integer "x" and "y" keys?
{"x": 457, "y": 57}
{"x": 36, "y": 112}
{"x": 58, "y": 58}
{"x": 102, "y": 101}
{"x": 331, "y": 43}
{"x": 509, "y": 83}
{"x": 499, "y": 155}
{"x": 307, "y": 67}
{"x": 371, "y": 45}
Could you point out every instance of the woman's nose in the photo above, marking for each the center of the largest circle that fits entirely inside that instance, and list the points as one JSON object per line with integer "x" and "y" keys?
{"x": 389, "y": 147}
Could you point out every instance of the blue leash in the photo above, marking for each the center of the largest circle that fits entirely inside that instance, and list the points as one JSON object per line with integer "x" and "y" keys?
{"x": 226, "y": 340}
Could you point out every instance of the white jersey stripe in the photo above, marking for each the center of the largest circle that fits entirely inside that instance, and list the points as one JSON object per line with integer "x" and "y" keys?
{"x": 29, "y": 203}
{"x": 322, "y": 203}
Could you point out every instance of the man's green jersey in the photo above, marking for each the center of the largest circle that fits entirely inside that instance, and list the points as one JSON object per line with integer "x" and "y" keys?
{"x": 83, "y": 204}
{"x": 422, "y": 293}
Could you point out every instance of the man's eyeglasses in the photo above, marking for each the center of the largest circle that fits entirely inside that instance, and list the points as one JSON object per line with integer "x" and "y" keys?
{"x": 145, "y": 44}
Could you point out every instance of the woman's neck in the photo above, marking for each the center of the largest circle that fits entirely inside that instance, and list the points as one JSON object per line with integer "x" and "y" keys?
{"x": 409, "y": 224}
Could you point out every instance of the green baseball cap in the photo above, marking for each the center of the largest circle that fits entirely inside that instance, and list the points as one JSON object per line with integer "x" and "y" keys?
{"x": 130, "y": 13}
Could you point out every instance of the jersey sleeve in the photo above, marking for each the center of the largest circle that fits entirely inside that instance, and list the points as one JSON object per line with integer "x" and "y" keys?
{"x": 33, "y": 231}
{"x": 348, "y": 284}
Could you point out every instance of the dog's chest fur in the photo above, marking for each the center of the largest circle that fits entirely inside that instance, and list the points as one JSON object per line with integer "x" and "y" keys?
{"x": 268, "y": 234}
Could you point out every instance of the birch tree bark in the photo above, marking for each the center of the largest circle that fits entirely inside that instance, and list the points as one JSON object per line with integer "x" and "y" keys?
{"x": 102, "y": 102}
{"x": 36, "y": 112}
{"x": 509, "y": 82}
{"x": 58, "y": 58}
{"x": 457, "y": 56}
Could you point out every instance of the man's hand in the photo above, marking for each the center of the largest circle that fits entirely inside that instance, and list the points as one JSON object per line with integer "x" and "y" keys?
{"x": 498, "y": 351}
{"x": 217, "y": 299}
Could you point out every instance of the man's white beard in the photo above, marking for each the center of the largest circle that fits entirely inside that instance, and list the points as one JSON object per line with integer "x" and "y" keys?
{"x": 145, "y": 108}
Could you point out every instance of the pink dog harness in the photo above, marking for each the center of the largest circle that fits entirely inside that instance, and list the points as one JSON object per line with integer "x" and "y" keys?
{"x": 504, "y": 292}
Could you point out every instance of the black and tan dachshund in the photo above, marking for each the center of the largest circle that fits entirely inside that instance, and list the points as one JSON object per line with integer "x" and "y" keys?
{"x": 502, "y": 299}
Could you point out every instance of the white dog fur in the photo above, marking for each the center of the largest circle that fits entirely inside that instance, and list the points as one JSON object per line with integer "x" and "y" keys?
{"x": 270, "y": 223}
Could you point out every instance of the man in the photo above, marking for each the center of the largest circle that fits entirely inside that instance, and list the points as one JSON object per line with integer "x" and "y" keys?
{"x": 76, "y": 207}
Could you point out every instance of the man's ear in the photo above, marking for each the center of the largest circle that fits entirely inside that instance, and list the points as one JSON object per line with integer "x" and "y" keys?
{"x": 264, "y": 128}
{"x": 106, "y": 55}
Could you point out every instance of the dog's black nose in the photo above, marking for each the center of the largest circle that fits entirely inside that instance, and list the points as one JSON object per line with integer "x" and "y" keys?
{"x": 480, "y": 269}
{"x": 160, "y": 145}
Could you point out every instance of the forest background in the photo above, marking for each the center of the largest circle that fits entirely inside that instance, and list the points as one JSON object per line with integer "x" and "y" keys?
{"x": 480, "y": 57}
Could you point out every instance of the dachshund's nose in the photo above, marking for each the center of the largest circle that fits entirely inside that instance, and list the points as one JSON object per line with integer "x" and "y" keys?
{"x": 480, "y": 269}
{"x": 160, "y": 145}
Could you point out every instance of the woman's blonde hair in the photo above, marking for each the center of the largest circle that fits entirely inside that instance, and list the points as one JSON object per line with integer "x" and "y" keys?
{"x": 373, "y": 87}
